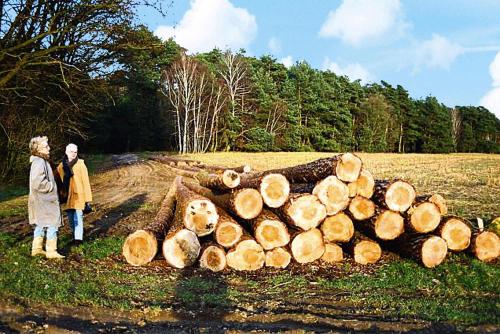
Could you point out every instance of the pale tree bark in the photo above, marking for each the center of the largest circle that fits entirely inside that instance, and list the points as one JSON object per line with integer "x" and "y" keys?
{"x": 234, "y": 73}
{"x": 456, "y": 122}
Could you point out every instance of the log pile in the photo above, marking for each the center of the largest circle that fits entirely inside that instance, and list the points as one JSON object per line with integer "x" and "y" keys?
{"x": 325, "y": 211}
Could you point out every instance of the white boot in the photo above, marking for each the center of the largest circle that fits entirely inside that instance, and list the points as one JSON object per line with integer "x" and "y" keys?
{"x": 51, "y": 248}
{"x": 37, "y": 246}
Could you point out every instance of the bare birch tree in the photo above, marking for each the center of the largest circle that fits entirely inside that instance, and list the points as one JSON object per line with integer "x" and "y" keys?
{"x": 456, "y": 123}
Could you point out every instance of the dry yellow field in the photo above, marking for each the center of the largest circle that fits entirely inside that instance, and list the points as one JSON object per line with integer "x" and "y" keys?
{"x": 470, "y": 182}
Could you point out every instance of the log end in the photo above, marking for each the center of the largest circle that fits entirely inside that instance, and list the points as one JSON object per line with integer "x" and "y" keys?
{"x": 456, "y": 233}
{"x": 389, "y": 225}
{"x": 361, "y": 208}
{"x": 487, "y": 246}
{"x": 306, "y": 211}
{"x": 440, "y": 202}
{"x": 425, "y": 217}
{"x": 248, "y": 203}
{"x": 228, "y": 234}
{"x": 213, "y": 258}
{"x": 348, "y": 168}
{"x": 400, "y": 196}
{"x": 230, "y": 178}
{"x": 434, "y": 251}
{"x": 201, "y": 217}
{"x": 274, "y": 189}
{"x": 338, "y": 228}
{"x": 365, "y": 184}
{"x": 182, "y": 249}
{"x": 333, "y": 253}
{"x": 271, "y": 234}
{"x": 140, "y": 248}
{"x": 308, "y": 246}
{"x": 367, "y": 252}
{"x": 333, "y": 193}
{"x": 247, "y": 255}
{"x": 278, "y": 258}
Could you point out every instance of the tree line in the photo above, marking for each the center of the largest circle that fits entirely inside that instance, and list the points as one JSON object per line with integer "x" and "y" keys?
{"x": 89, "y": 72}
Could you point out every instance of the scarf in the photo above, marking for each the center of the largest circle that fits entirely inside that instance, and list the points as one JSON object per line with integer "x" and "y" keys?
{"x": 68, "y": 171}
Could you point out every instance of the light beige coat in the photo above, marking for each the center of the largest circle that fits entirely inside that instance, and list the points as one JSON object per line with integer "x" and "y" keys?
{"x": 43, "y": 203}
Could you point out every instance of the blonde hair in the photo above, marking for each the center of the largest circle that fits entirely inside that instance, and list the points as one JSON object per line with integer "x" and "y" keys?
{"x": 35, "y": 144}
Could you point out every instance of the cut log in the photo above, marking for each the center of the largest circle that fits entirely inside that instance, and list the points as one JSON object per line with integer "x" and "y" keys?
{"x": 395, "y": 195}
{"x": 183, "y": 163}
{"x": 228, "y": 232}
{"x": 333, "y": 193}
{"x": 223, "y": 181}
{"x": 361, "y": 208}
{"x": 338, "y": 228}
{"x": 308, "y": 246}
{"x": 364, "y": 250}
{"x": 456, "y": 232}
{"x": 181, "y": 246}
{"x": 278, "y": 258}
{"x": 246, "y": 255}
{"x": 485, "y": 246}
{"x": 141, "y": 246}
{"x": 430, "y": 250}
{"x": 245, "y": 203}
{"x": 333, "y": 253}
{"x": 302, "y": 210}
{"x": 213, "y": 257}
{"x": 197, "y": 212}
{"x": 363, "y": 186}
{"x": 386, "y": 225}
{"x": 424, "y": 217}
{"x": 436, "y": 199}
{"x": 274, "y": 189}
{"x": 270, "y": 231}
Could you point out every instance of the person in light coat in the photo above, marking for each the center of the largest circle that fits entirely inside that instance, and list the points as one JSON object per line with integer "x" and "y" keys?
{"x": 75, "y": 178}
{"x": 43, "y": 202}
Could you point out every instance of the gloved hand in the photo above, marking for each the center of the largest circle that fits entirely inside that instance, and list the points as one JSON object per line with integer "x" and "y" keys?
{"x": 88, "y": 208}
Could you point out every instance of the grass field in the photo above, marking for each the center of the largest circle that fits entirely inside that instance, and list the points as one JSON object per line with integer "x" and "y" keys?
{"x": 462, "y": 291}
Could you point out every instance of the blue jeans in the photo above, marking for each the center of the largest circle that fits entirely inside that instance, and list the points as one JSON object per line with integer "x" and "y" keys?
{"x": 51, "y": 232}
{"x": 75, "y": 218}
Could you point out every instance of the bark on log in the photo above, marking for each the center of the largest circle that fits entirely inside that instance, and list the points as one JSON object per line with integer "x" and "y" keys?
{"x": 141, "y": 246}
{"x": 223, "y": 181}
{"x": 269, "y": 231}
{"x": 246, "y": 255}
{"x": 345, "y": 166}
{"x": 246, "y": 203}
{"x": 396, "y": 195}
{"x": 423, "y": 216}
{"x": 304, "y": 211}
{"x": 197, "y": 212}
{"x": 308, "y": 246}
{"x": 363, "y": 186}
{"x": 430, "y": 250}
{"x": 185, "y": 163}
{"x": 278, "y": 257}
{"x": 338, "y": 228}
{"x": 181, "y": 246}
{"x": 213, "y": 257}
{"x": 333, "y": 193}
{"x": 485, "y": 245}
{"x": 333, "y": 253}
{"x": 361, "y": 208}
{"x": 456, "y": 232}
{"x": 363, "y": 249}
{"x": 302, "y": 188}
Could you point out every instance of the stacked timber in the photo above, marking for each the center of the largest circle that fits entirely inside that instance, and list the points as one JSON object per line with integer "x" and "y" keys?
{"x": 323, "y": 211}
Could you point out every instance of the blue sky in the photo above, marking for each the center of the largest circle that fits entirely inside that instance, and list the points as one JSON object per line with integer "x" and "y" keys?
{"x": 449, "y": 48}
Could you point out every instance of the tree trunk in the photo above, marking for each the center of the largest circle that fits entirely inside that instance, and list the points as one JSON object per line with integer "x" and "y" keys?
{"x": 181, "y": 246}
{"x": 228, "y": 232}
{"x": 338, "y": 228}
{"x": 302, "y": 210}
{"x": 384, "y": 225}
{"x": 430, "y": 250}
{"x": 182, "y": 163}
{"x": 363, "y": 249}
{"x": 197, "y": 212}
{"x": 246, "y": 255}
{"x": 361, "y": 208}
{"x": 333, "y": 193}
{"x": 245, "y": 203}
{"x": 224, "y": 181}
{"x": 302, "y": 188}
{"x": 333, "y": 253}
{"x": 141, "y": 246}
{"x": 269, "y": 231}
{"x": 274, "y": 188}
{"x": 307, "y": 246}
{"x": 423, "y": 217}
{"x": 396, "y": 195}
{"x": 456, "y": 232}
{"x": 213, "y": 257}
{"x": 278, "y": 257}
{"x": 485, "y": 245}
{"x": 363, "y": 186}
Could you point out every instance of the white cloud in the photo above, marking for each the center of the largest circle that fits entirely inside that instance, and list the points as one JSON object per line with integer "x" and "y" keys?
{"x": 356, "y": 21}
{"x": 495, "y": 70}
{"x": 353, "y": 71}
{"x": 212, "y": 23}
{"x": 274, "y": 45}
{"x": 491, "y": 101}
{"x": 287, "y": 61}
{"x": 437, "y": 52}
